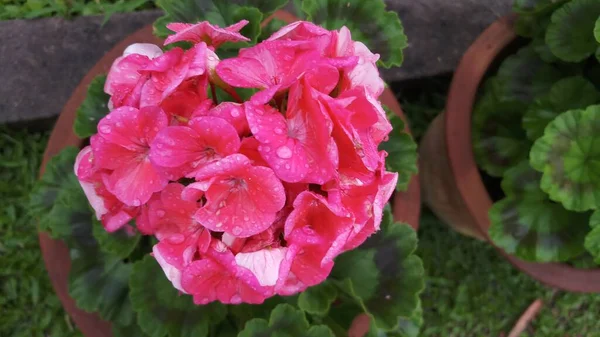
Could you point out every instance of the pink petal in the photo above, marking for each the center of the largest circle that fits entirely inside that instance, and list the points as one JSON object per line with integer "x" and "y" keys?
{"x": 124, "y": 73}
{"x": 323, "y": 78}
{"x": 249, "y": 148}
{"x": 147, "y": 49}
{"x": 299, "y": 31}
{"x": 205, "y": 140}
{"x": 264, "y": 264}
{"x": 233, "y": 113}
{"x": 205, "y": 32}
{"x": 242, "y": 200}
{"x": 267, "y": 64}
{"x": 135, "y": 183}
{"x": 173, "y": 257}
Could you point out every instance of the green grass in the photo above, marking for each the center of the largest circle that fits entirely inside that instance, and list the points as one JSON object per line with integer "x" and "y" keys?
{"x": 30, "y": 9}
{"x": 28, "y": 305}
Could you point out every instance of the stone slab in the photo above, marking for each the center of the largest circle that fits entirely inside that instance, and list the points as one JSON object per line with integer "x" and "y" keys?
{"x": 42, "y": 61}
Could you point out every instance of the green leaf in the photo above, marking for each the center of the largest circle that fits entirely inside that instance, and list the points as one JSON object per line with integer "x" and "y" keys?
{"x": 316, "y": 300}
{"x": 597, "y": 30}
{"x": 99, "y": 284}
{"x": 522, "y": 181}
{"x": 570, "y": 35}
{"x": 368, "y": 22}
{"x": 93, "y": 108}
{"x": 131, "y": 330}
{"x": 592, "y": 240}
{"x": 536, "y": 7}
{"x": 499, "y": 142}
{"x": 568, "y": 155}
{"x": 285, "y": 321}
{"x": 119, "y": 244}
{"x": 359, "y": 268}
{"x": 524, "y": 76}
{"x": 402, "y": 153}
{"x": 537, "y": 230}
{"x": 407, "y": 327}
{"x": 163, "y": 310}
{"x": 569, "y": 93}
{"x": 57, "y": 199}
{"x": 222, "y": 13}
{"x": 400, "y": 276}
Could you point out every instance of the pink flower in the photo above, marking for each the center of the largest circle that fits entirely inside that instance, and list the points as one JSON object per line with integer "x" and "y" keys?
{"x": 124, "y": 81}
{"x": 248, "y": 199}
{"x": 270, "y": 64}
{"x": 168, "y": 71}
{"x": 122, "y": 146}
{"x": 365, "y": 73}
{"x": 241, "y": 199}
{"x": 212, "y": 35}
{"x": 316, "y": 233}
{"x": 299, "y": 146}
{"x": 184, "y": 150}
{"x": 109, "y": 210}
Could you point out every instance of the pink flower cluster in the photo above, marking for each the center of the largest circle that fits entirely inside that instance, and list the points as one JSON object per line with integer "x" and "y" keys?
{"x": 247, "y": 199}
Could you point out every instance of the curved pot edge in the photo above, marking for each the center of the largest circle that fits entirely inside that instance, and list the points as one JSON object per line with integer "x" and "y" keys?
{"x": 461, "y": 98}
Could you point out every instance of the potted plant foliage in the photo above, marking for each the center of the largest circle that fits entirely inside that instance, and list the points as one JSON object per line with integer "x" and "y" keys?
{"x": 525, "y": 141}
{"x": 235, "y": 183}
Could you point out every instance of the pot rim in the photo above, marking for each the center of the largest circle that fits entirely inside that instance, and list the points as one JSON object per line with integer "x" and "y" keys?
{"x": 462, "y": 96}
{"x": 55, "y": 252}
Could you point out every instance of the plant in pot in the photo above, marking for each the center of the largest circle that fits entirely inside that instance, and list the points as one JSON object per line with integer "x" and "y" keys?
{"x": 236, "y": 183}
{"x": 525, "y": 141}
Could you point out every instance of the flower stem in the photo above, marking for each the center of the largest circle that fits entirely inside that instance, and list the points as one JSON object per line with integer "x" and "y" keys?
{"x": 213, "y": 91}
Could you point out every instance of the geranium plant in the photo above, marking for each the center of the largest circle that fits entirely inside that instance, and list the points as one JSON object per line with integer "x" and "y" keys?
{"x": 236, "y": 182}
{"x": 537, "y": 127}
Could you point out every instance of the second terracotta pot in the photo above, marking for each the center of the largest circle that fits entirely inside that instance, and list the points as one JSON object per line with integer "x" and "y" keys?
{"x": 454, "y": 189}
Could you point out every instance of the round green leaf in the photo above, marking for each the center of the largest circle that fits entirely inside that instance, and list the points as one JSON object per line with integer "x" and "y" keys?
{"x": 368, "y": 22}
{"x": 400, "y": 276}
{"x": 523, "y": 76}
{"x": 316, "y": 300}
{"x": 499, "y": 142}
{"x": 162, "y": 310}
{"x": 402, "y": 153}
{"x": 285, "y": 321}
{"x": 569, "y": 93}
{"x": 93, "y": 108}
{"x": 537, "y": 230}
{"x": 118, "y": 244}
{"x": 522, "y": 181}
{"x": 568, "y": 155}
{"x": 100, "y": 284}
{"x": 592, "y": 240}
{"x": 570, "y": 35}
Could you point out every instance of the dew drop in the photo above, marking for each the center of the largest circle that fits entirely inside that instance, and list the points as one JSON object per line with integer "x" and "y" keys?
{"x": 160, "y": 213}
{"x": 278, "y": 131}
{"x": 237, "y": 230}
{"x": 136, "y": 202}
{"x": 235, "y": 299}
{"x": 105, "y": 129}
{"x": 235, "y": 113}
{"x": 284, "y": 152}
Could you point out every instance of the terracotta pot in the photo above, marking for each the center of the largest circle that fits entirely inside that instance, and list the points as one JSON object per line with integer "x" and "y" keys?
{"x": 454, "y": 189}
{"x": 55, "y": 252}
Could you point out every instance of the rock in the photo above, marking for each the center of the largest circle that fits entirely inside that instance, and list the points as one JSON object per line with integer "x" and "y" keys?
{"x": 439, "y": 32}
{"x": 42, "y": 61}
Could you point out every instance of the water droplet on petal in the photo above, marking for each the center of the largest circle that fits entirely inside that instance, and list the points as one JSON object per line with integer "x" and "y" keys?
{"x": 136, "y": 202}
{"x": 235, "y": 299}
{"x": 105, "y": 129}
{"x": 235, "y": 113}
{"x": 160, "y": 213}
{"x": 284, "y": 152}
{"x": 237, "y": 230}
{"x": 278, "y": 131}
